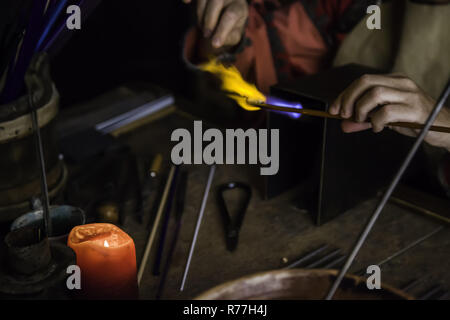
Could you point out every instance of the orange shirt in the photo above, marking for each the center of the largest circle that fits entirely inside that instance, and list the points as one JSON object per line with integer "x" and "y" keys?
{"x": 286, "y": 41}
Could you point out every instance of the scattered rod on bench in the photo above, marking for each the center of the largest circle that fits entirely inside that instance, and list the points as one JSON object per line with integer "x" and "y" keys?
{"x": 390, "y": 190}
{"x": 306, "y": 257}
{"x": 430, "y": 293}
{"x": 326, "y": 258}
{"x": 165, "y": 224}
{"x": 334, "y": 263}
{"x": 403, "y": 250}
{"x": 40, "y": 153}
{"x": 323, "y": 114}
{"x": 151, "y": 238}
{"x": 180, "y": 198}
{"x": 411, "y": 285}
{"x": 199, "y": 221}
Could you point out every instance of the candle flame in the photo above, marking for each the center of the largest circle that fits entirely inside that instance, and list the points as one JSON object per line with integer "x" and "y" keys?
{"x": 106, "y": 244}
{"x": 234, "y": 85}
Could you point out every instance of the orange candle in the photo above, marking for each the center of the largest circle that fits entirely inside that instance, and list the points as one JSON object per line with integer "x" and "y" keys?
{"x": 107, "y": 259}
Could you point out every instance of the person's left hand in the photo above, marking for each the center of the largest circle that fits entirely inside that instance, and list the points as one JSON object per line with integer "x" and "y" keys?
{"x": 222, "y": 21}
{"x": 383, "y": 99}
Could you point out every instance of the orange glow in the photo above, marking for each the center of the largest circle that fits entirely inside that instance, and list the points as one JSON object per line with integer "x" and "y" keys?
{"x": 232, "y": 82}
{"x": 107, "y": 259}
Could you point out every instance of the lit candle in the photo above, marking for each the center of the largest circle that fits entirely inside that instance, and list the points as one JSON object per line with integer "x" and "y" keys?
{"x": 107, "y": 259}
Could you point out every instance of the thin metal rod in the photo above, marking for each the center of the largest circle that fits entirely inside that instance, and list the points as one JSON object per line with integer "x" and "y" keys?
{"x": 427, "y": 295}
{"x": 40, "y": 150}
{"x": 179, "y": 210}
{"x": 411, "y": 285}
{"x": 323, "y": 259}
{"x": 151, "y": 238}
{"x": 411, "y": 245}
{"x": 390, "y": 190}
{"x": 403, "y": 250}
{"x": 324, "y": 114}
{"x": 165, "y": 224}
{"x": 306, "y": 257}
{"x": 333, "y": 263}
{"x": 199, "y": 221}
{"x": 165, "y": 271}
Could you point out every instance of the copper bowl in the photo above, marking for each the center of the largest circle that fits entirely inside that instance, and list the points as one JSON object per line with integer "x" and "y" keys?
{"x": 299, "y": 284}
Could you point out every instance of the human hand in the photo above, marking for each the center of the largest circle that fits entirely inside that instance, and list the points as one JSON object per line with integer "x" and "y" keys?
{"x": 222, "y": 20}
{"x": 383, "y": 99}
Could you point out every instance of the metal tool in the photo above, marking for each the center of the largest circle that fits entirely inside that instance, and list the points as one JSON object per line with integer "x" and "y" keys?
{"x": 29, "y": 80}
{"x": 390, "y": 190}
{"x": 179, "y": 209}
{"x": 306, "y": 257}
{"x": 152, "y": 235}
{"x": 162, "y": 238}
{"x": 437, "y": 292}
{"x": 232, "y": 226}
{"x": 324, "y": 114}
{"x": 403, "y": 250}
{"x": 327, "y": 257}
{"x": 431, "y": 292}
{"x": 411, "y": 285}
{"x": 199, "y": 221}
{"x": 149, "y": 186}
{"x": 334, "y": 263}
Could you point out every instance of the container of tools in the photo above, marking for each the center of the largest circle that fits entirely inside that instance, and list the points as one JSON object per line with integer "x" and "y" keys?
{"x": 63, "y": 219}
{"x": 19, "y": 170}
{"x": 32, "y": 267}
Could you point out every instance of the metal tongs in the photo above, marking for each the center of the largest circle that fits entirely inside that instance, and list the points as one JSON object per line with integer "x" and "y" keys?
{"x": 232, "y": 226}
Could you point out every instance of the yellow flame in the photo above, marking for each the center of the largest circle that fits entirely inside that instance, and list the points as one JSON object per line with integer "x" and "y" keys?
{"x": 232, "y": 82}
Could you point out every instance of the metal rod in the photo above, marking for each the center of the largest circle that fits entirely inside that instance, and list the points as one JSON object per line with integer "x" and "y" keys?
{"x": 39, "y": 148}
{"x": 323, "y": 259}
{"x": 199, "y": 221}
{"x": 430, "y": 293}
{"x": 165, "y": 225}
{"x": 324, "y": 114}
{"x": 306, "y": 257}
{"x": 390, "y": 190}
{"x": 403, "y": 250}
{"x": 151, "y": 238}
{"x": 333, "y": 263}
{"x": 411, "y": 245}
{"x": 411, "y": 285}
{"x": 179, "y": 209}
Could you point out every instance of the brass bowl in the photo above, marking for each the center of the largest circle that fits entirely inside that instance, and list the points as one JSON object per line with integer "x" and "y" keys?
{"x": 299, "y": 284}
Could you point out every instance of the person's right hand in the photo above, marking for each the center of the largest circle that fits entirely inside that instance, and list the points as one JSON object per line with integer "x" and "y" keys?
{"x": 374, "y": 101}
{"x": 222, "y": 20}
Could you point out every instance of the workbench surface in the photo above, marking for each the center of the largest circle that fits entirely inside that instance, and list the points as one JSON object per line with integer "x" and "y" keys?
{"x": 276, "y": 229}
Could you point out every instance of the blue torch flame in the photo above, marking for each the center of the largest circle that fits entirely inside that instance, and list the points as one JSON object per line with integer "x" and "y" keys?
{"x": 284, "y": 103}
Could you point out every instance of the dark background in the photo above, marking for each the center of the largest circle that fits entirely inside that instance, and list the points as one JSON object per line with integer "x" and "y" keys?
{"x": 124, "y": 41}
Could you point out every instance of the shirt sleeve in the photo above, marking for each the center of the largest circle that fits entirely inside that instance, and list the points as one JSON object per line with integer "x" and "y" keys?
{"x": 284, "y": 41}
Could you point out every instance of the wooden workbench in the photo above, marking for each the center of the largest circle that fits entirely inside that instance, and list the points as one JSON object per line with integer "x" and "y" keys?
{"x": 276, "y": 229}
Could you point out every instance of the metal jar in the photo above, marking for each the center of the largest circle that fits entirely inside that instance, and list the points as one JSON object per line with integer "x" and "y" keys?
{"x": 19, "y": 170}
